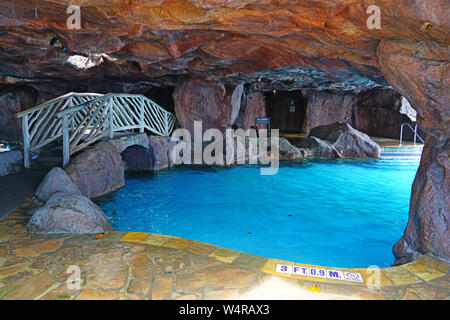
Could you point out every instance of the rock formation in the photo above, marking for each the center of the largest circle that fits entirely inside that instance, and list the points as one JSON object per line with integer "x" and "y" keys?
{"x": 288, "y": 151}
{"x": 347, "y": 141}
{"x": 55, "y": 181}
{"x": 205, "y": 101}
{"x": 271, "y": 44}
{"x": 98, "y": 170}
{"x": 13, "y": 100}
{"x": 316, "y": 147}
{"x": 420, "y": 72}
{"x": 253, "y": 108}
{"x": 69, "y": 213}
{"x": 375, "y": 112}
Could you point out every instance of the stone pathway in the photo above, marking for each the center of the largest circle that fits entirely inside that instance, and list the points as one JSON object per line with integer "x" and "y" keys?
{"x": 135, "y": 265}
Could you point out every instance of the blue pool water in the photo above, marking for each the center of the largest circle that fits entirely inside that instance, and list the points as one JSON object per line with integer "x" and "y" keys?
{"x": 342, "y": 213}
{"x": 7, "y": 147}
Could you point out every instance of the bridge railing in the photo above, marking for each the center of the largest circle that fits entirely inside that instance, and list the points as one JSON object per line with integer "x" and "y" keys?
{"x": 88, "y": 122}
{"x": 39, "y": 125}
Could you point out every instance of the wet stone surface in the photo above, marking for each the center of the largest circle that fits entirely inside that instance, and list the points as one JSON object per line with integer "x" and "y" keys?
{"x": 147, "y": 266}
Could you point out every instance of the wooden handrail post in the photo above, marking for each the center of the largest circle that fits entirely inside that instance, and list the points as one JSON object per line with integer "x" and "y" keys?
{"x": 166, "y": 123}
{"x": 142, "y": 115}
{"x": 111, "y": 119}
{"x": 66, "y": 140}
{"x": 26, "y": 143}
{"x": 72, "y": 118}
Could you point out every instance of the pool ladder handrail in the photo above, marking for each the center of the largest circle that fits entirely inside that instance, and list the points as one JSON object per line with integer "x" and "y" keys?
{"x": 413, "y": 129}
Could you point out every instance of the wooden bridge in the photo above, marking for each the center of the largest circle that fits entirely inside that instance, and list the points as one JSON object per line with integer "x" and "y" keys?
{"x": 83, "y": 118}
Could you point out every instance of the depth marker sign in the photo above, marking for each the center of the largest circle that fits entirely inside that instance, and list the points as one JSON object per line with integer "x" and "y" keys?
{"x": 320, "y": 273}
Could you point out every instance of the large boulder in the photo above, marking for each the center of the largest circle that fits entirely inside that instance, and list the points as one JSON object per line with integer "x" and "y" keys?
{"x": 69, "y": 213}
{"x": 159, "y": 148}
{"x": 56, "y": 181}
{"x": 316, "y": 147}
{"x": 98, "y": 170}
{"x": 347, "y": 141}
{"x": 288, "y": 151}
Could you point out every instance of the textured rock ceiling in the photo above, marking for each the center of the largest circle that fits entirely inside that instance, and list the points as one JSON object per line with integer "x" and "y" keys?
{"x": 270, "y": 44}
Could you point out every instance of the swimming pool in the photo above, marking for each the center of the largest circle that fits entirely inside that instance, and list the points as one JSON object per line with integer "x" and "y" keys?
{"x": 341, "y": 213}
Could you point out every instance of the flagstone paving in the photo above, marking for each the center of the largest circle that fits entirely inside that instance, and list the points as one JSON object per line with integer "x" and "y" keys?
{"x": 131, "y": 265}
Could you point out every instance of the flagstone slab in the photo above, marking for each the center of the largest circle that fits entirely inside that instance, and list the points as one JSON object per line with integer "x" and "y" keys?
{"x": 177, "y": 243}
{"x": 134, "y": 236}
{"x": 225, "y": 255}
{"x": 39, "y": 248}
{"x": 400, "y": 276}
{"x": 433, "y": 263}
{"x": 114, "y": 235}
{"x": 162, "y": 286}
{"x": 250, "y": 261}
{"x": 201, "y": 248}
{"x": 32, "y": 287}
{"x": 423, "y": 271}
{"x": 156, "y": 239}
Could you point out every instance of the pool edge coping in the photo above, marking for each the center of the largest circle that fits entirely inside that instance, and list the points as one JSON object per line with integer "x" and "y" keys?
{"x": 424, "y": 269}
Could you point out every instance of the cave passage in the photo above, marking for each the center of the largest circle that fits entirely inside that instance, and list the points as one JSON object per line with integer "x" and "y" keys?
{"x": 287, "y": 110}
{"x": 163, "y": 97}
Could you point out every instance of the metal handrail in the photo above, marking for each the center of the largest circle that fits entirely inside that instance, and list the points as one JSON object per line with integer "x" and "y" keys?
{"x": 413, "y": 129}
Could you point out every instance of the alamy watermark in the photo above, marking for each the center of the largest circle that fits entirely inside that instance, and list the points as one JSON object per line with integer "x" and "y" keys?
{"x": 374, "y": 20}
{"x": 74, "y": 20}
{"x": 73, "y": 282}
{"x": 215, "y": 147}
{"x": 374, "y": 279}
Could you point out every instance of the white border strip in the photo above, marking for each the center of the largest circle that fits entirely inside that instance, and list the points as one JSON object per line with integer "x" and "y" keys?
{"x": 319, "y": 273}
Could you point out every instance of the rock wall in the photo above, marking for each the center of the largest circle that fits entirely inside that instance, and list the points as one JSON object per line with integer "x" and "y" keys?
{"x": 97, "y": 170}
{"x": 13, "y": 100}
{"x": 419, "y": 70}
{"x": 374, "y": 112}
{"x": 254, "y": 107}
{"x": 216, "y": 105}
{"x": 197, "y": 99}
{"x": 326, "y": 108}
